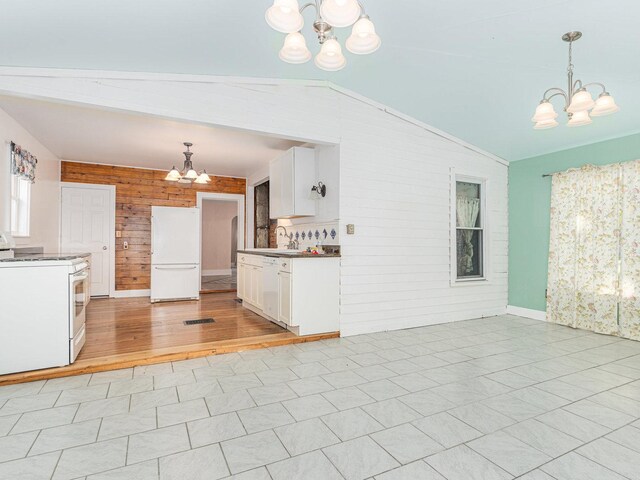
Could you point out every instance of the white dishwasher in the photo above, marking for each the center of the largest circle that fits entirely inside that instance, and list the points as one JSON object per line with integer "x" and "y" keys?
{"x": 270, "y": 286}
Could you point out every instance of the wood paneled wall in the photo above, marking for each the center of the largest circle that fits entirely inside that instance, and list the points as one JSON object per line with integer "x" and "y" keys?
{"x": 137, "y": 190}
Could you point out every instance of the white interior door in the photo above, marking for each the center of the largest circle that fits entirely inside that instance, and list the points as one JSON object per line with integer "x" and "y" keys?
{"x": 85, "y": 227}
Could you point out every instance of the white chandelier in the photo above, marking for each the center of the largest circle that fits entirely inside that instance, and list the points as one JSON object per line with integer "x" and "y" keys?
{"x": 286, "y": 16}
{"x": 188, "y": 173}
{"x": 577, "y": 99}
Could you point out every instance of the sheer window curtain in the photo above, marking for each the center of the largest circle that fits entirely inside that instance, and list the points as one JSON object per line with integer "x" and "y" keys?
{"x": 467, "y": 210}
{"x": 593, "y": 251}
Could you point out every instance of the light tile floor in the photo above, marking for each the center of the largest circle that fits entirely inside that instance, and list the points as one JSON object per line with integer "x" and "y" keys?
{"x": 495, "y": 398}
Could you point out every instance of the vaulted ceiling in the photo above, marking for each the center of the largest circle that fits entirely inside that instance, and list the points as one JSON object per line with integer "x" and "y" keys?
{"x": 475, "y": 69}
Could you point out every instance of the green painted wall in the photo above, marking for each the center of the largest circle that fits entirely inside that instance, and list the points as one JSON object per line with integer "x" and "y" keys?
{"x": 529, "y": 203}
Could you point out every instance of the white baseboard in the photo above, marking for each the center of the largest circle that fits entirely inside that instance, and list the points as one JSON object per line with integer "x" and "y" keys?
{"x": 208, "y": 273}
{"x": 527, "y": 313}
{"x": 131, "y": 293}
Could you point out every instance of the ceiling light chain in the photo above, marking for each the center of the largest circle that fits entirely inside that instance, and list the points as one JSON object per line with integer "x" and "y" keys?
{"x": 286, "y": 16}
{"x": 188, "y": 173}
{"x": 577, "y": 99}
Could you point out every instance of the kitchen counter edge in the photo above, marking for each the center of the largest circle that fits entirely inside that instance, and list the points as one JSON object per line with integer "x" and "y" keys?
{"x": 44, "y": 257}
{"x": 288, "y": 255}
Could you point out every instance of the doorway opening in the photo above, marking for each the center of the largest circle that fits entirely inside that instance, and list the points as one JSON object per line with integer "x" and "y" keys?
{"x": 222, "y": 235}
{"x": 219, "y": 246}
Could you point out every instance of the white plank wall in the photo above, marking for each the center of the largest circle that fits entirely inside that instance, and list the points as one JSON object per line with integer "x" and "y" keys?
{"x": 395, "y": 179}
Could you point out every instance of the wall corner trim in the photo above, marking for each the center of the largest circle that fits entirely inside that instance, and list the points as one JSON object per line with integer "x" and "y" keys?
{"x": 527, "y": 313}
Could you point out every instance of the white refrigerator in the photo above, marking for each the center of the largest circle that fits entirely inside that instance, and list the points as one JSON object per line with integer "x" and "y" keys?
{"x": 175, "y": 253}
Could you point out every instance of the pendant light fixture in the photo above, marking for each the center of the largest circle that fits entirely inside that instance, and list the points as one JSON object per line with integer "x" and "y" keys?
{"x": 188, "y": 173}
{"x": 577, "y": 99}
{"x": 286, "y": 16}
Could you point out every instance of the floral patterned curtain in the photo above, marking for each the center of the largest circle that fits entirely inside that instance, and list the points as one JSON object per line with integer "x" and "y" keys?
{"x": 630, "y": 252}
{"x": 23, "y": 163}
{"x": 595, "y": 227}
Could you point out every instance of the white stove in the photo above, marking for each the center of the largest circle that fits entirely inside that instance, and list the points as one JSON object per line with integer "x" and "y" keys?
{"x": 44, "y": 300}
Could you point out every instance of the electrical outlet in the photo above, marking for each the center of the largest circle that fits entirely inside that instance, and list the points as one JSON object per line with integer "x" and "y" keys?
{"x": 351, "y": 229}
{"x": 125, "y": 245}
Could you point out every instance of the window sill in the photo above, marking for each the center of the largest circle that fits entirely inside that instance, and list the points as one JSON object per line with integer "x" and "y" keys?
{"x": 470, "y": 282}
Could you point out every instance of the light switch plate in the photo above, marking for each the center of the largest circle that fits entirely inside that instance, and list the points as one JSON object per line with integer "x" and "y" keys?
{"x": 351, "y": 229}
{"x": 118, "y": 233}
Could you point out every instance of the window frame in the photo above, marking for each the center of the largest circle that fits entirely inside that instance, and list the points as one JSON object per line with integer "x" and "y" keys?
{"x": 484, "y": 227}
{"x": 20, "y": 204}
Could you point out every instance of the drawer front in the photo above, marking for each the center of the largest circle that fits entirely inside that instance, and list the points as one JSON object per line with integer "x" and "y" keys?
{"x": 76, "y": 344}
{"x": 284, "y": 264}
{"x": 174, "y": 281}
{"x": 247, "y": 259}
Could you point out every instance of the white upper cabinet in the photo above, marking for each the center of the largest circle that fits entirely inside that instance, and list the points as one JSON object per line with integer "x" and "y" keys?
{"x": 291, "y": 177}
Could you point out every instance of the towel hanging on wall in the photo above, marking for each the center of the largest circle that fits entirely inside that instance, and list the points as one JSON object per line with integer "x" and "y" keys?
{"x": 23, "y": 163}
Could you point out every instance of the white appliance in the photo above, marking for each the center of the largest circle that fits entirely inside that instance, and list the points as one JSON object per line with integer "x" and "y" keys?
{"x": 270, "y": 286}
{"x": 79, "y": 282}
{"x": 175, "y": 253}
{"x": 44, "y": 300}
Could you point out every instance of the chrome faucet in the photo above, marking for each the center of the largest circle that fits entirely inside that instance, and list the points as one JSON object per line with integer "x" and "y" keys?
{"x": 293, "y": 244}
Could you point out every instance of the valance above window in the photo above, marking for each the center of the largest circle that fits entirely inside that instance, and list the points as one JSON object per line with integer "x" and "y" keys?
{"x": 23, "y": 164}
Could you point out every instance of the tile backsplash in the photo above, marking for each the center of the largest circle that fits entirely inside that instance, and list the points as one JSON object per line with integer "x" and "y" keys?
{"x": 310, "y": 234}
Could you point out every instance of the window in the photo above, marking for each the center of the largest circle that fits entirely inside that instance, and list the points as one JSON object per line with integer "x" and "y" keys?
{"x": 469, "y": 232}
{"x": 265, "y": 228}
{"x": 20, "y": 206}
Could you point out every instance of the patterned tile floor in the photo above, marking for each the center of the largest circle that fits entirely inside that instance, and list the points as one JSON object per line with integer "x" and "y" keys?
{"x": 219, "y": 282}
{"x": 496, "y": 398}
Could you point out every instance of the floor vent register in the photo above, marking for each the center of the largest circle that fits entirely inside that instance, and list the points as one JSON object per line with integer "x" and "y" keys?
{"x": 199, "y": 321}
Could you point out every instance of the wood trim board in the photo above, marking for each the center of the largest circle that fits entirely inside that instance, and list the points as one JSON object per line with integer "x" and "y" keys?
{"x": 170, "y": 354}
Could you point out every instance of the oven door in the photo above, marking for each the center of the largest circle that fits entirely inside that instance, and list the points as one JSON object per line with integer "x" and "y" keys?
{"x": 78, "y": 292}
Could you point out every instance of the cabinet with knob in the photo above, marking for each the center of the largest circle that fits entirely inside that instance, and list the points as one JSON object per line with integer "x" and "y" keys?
{"x": 300, "y": 294}
{"x": 250, "y": 279}
{"x": 291, "y": 177}
{"x": 284, "y": 298}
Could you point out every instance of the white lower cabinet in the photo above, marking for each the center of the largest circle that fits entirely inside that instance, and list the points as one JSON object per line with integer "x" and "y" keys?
{"x": 256, "y": 286}
{"x": 284, "y": 297}
{"x": 240, "y": 280}
{"x": 250, "y": 280}
{"x": 308, "y": 292}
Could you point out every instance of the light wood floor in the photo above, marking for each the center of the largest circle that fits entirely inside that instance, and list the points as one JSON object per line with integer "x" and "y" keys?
{"x": 126, "y": 325}
{"x": 125, "y": 332}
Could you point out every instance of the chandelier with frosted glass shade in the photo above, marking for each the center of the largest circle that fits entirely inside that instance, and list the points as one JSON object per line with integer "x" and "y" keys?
{"x": 188, "y": 174}
{"x": 286, "y": 16}
{"x": 578, "y": 102}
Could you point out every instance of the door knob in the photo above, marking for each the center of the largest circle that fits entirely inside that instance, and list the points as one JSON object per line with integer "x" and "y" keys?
{"x": 104, "y": 248}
